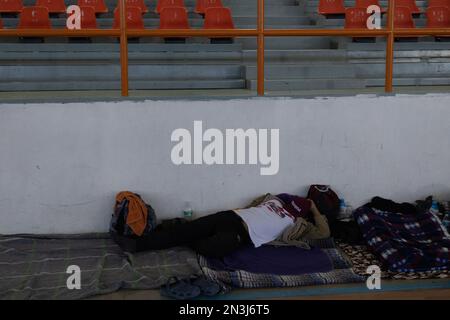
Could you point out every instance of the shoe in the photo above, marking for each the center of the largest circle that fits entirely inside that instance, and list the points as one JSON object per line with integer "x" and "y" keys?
{"x": 207, "y": 287}
{"x": 180, "y": 289}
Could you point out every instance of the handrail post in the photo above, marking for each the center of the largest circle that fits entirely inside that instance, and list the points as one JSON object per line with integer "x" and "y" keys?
{"x": 260, "y": 50}
{"x": 123, "y": 48}
{"x": 388, "y": 87}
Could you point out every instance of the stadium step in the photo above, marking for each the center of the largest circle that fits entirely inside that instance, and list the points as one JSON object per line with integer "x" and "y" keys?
{"x": 332, "y": 84}
{"x": 346, "y": 71}
{"x": 115, "y": 85}
{"x": 282, "y": 43}
{"x": 103, "y": 76}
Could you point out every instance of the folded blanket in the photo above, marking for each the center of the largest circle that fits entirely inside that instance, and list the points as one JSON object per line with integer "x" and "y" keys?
{"x": 405, "y": 242}
{"x": 341, "y": 272}
{"x": 275, "y": 260}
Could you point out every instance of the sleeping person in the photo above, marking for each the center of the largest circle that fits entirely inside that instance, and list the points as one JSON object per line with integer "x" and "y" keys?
{"x": 282, "y": 219}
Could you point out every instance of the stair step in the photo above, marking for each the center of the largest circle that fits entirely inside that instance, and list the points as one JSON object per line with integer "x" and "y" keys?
{"x": 115, "y": 85}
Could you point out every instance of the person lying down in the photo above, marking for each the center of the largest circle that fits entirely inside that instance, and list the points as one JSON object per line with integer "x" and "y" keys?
{"x": 283, "y": 219}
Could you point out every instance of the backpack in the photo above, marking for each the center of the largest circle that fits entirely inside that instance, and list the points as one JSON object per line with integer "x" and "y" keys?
{"x": 118, "y": 224}
{"x": 325, "y": 199}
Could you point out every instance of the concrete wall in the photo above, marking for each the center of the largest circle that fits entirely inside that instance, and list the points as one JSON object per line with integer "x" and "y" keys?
{"x": 61, "y": 164}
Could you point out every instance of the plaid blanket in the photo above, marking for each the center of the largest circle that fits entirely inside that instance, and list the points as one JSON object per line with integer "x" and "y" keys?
{"x": 405, "y": 243}
{"x": 35, "y": 267}
{"x": 341, "y": 273}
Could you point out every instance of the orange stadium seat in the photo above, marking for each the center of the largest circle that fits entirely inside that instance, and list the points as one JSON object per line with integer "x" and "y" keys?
{"x": 403, "y": 18}
{"x": 328, "y": 7}
{"x": 438, "y": 3}
{"x": 53, "y": 6}
{"x": 99, "y": 5}
{"x": 356, "y": 18}
{"x": 167, "y": 4}
{"x": 174, "y": 18}
{"x": 34, "y": 18}
{"x": 134, "y": 18}
{"x": 11, "y": 6}
{"x": 218, "y": 18}
{"x": 411, "y": 4}
{"x": 202, "y": 5}
{"x": 438, "y": 17}
{"x": 367, "y": 3}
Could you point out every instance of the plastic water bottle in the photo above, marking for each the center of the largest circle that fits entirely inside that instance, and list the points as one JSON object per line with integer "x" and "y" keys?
{"x": 345, "y": 211}
{"x": 342, "y": 209}
{"x": 187, "y": 211}
{"x": 434, "y": 208}
{"x": 349, "y": 211}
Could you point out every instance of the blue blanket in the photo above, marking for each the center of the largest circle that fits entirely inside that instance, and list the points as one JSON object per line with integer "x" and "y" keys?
{"x": 341, "y": 272}
{"x": 275, "y": 260}
{"x": 405, "y": 242}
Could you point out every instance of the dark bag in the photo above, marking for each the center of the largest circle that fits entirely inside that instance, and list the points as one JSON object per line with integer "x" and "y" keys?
{"x": 348, "y": 232}
{"x": 119, "y": 224}
{"x": 325, "y": 199}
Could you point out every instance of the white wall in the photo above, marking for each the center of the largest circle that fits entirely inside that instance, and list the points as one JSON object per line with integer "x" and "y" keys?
{"x": 61, "y": 164}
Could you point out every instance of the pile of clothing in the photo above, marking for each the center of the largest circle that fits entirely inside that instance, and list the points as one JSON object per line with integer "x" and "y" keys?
{"x": 405, "y": 237}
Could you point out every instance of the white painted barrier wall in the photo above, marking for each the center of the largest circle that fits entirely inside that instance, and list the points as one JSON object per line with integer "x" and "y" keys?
{"x": 62, "y": 164}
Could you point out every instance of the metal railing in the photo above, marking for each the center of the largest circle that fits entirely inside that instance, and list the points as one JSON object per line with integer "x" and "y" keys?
{"x": 390, "y": 32}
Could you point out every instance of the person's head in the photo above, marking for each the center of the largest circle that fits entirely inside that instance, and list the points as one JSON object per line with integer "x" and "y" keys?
{"x": 295, "y": 205}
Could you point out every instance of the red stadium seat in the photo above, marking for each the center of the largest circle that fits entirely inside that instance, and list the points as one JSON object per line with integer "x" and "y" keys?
{"x": 167, "y": 4}
{"x": 367, "y": 3}
{"x": 99, "y": 5}
{"x": 356, "y": 18}
{"x": 438, "y": 3}
{"x": 53, "y": 6}
{"x": 411, "y": 4}
{"x": 174, "y": 18}
{"x": 137, "y": 3}
{"x": 134, "y": 18}
{"x": 1, "y": 24}
{"x": 88, "y": 19}
{"x": 34, "y": 18}
{"x": 403, "y": 18}
{"x": 438, "y": 17}
{"x": 11, "y": 6}
{"x": 327, "y": 7}
{"x": 202, "y": 5}
{"x": 218, "y": 18}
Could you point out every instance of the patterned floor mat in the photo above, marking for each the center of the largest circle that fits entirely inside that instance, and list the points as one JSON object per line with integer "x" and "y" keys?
{"x": 361, "y": 258}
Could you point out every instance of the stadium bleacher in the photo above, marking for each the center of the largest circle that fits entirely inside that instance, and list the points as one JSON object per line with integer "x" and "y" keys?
{"x": 292, "y": 63}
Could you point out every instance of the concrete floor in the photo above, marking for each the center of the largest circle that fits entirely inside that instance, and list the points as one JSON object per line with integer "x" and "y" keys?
{"x": 85, "y": 96}
{"x": 436, "y": 289}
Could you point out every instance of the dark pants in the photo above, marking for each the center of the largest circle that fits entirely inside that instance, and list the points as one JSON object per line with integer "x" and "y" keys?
{"x": 214, "y": 235}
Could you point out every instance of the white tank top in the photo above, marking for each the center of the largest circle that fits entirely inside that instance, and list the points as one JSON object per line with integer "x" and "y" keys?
{"x": 266, "y": 222}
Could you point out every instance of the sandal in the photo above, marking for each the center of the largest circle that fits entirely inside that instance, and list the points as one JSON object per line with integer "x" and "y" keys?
{"x": 207, "y": 287}
{"x": 180, "y": 289}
